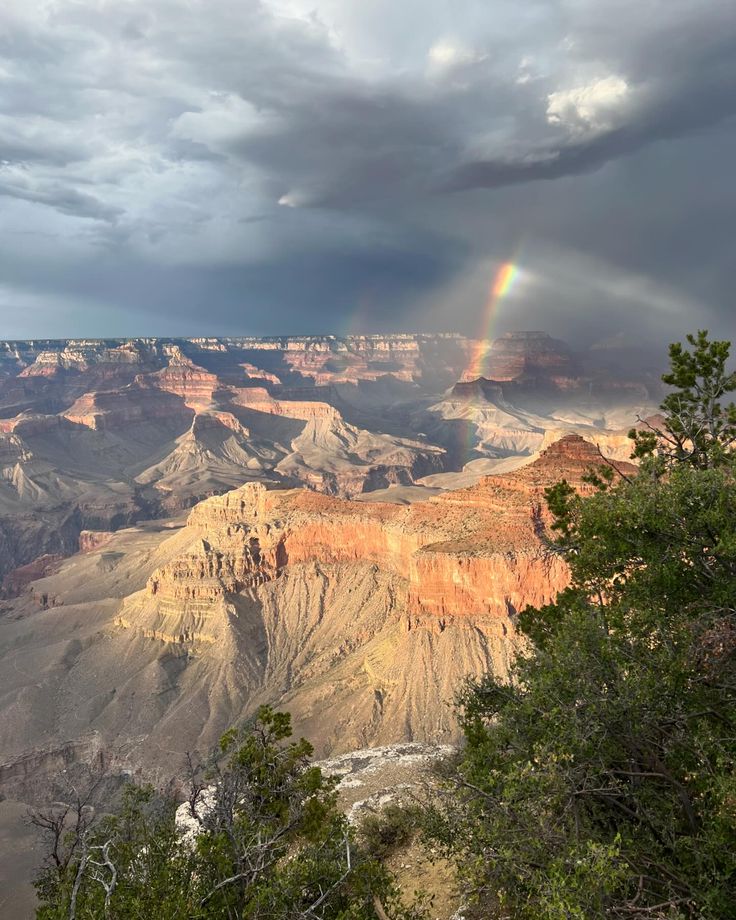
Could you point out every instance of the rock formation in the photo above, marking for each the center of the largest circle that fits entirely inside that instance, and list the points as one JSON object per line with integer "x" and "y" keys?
{"x": 90, "y": 540}
{"x": 325, "y": 587}
{"x": 475, "y": 552}
{"x": 115, "y": 409}
{"x": 185, "y": 379}
{"x": 529, "y": 356}
{"x": 98, "y": 433}
{"x": 16, "y": 581}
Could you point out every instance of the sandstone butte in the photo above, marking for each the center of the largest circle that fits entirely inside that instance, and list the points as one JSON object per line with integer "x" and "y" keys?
{"x": 477, "y": 553}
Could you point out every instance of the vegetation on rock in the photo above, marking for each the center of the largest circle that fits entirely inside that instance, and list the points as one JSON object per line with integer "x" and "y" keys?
{"x": 388, "y": 829}
{"x": 268, "y": 842}
{"x": 601, "y": 782}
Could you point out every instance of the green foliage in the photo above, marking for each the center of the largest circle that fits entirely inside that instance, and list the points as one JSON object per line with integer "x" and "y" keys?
{"x": 601, "y": 782}
{"x": 135, "y": 855}
{"x": 271, "y": 844}
{"x": 388, "y": 830}
{"x": 698, "y": 429}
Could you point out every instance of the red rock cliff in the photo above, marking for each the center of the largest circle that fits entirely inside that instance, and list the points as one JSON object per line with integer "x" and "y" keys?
{"x": 474, "y": 552}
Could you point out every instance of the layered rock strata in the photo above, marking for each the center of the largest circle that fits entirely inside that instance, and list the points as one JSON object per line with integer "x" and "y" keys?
{"x": 472, "y": 553}
{"x": 95, "y": 433}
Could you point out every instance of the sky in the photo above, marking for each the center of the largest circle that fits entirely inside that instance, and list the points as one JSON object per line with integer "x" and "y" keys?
{"x": 269, "y": 167}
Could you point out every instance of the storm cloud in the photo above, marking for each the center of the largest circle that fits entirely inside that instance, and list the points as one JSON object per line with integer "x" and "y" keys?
{"x": 234, "y": 166}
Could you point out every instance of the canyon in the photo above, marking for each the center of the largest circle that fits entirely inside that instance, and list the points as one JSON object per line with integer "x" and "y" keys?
{"x": 361, "y": 618}
{"x": 345, "y": 528}
{"x": 276, "y": 519}
{"x": 95, "y": 435}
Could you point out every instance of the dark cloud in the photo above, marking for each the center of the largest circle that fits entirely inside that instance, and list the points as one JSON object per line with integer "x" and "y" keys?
{"x": 340, "y": 290}
{"x": 675, "y": 105}
{"x": 59, "y": 196}
{"x": 313, "y": 164}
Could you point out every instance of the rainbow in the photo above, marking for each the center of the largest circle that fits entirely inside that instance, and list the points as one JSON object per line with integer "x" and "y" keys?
{"x": 502, "y": 283}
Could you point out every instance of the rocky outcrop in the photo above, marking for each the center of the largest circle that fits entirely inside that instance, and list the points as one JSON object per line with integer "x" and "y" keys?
{"x": 183, "y": 378}
{"x": 116, "y": 409}
{"x": 260, "y": 400}
{"x": 478, "y": 388}
{"x": 90, "y": 540}
{"x": 251, "y": 372}
{"x": 34, "y": 766}
{"x": 19, "y": 579}
{"x": 28, "y": 424}
{"x": 569, "y": 457}
{"x": 13, "y": 451}
{"x": 85, "y": 355}
{"x": 215, "y": 420}
{"x": 472, "y": 553}
{"x": 527, "y": 356}
{"x": 361, "y": 618}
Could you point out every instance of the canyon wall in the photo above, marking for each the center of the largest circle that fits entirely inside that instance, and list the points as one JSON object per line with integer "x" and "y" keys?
{"x": 98, "y": 433}
{"x": 472, "y": 553}
{"x": 360, "y": 618}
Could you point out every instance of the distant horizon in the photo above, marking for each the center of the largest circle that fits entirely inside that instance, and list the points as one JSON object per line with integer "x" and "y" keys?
{"x": 93, "y": 339}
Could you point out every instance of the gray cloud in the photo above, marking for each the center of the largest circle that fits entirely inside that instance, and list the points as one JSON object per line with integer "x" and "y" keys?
{"x": 326, "y": 164}
{"x": 59, "y": 196}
